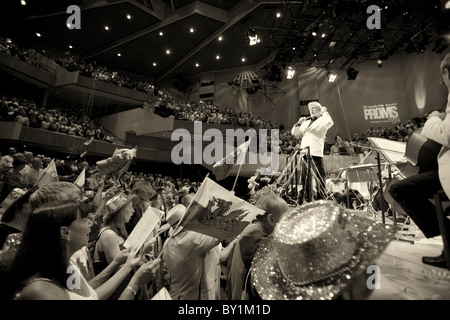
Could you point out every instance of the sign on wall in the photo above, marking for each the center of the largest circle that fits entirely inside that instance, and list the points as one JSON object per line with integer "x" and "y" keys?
{"x": 381, "y": 113}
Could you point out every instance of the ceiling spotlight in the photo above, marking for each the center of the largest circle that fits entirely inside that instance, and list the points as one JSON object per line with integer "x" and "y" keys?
{"x": 191, "y": 30}
{"x": 161, "y": 33}
{"x": 217, "y": 57}
{"x": 351, "y": 74}
{"x": 323, "y": 35}
{"x": 118, "y": 54}
{"x": 38, "y": 34}
{"x": 220, "y": 38}
{"x": 252, "y": 37}
{"x": 314, "y": 33}
{"x": 290, "y": 72}
{"x": 293, "y": 48}
{"x": 167, "y": 51}
{"x": 447, "y": 5}
{"x": 243, "y": 59}
{"x": 197, "y": 65}
{"x": 278, "y": 14}
{"x": 23, "y": 2}
{"x": 380, "y": 63}
{"x": 331, "y": 76}
{"x": 128, "y": 17}
{"x": 70, "y": 47}
{"x": 154, "y": 64}
{"x": 106, "y": 28}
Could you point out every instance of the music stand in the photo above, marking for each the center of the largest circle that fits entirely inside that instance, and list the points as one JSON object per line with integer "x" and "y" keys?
{"x": 393, "y": 152}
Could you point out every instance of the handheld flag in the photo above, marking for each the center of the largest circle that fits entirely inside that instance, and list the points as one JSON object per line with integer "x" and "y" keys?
{"x": 119, "y": 162}
{"x": 48, "y": 175}
{"x": 222, "y": 168}
{"x": 81, "y": 180}
{"x": 217, "y": 212}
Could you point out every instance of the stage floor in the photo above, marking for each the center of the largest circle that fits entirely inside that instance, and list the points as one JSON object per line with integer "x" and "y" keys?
{"x": 403, "y": 275}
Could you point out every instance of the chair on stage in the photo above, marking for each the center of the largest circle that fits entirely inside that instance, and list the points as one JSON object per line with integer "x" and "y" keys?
{"x": 442, "y": 204}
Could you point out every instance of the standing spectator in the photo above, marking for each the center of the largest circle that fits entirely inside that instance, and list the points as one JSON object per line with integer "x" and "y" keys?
{"x": 32, "y": 175}
{"x": 7, "y": 160}
{"x": 240, "y": 258}
{"x": 185, "y": 258}
{"x": 14, "y": 178}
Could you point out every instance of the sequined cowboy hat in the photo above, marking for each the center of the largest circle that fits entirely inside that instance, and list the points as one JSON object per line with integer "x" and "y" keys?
{"x": 114, "y": 204}
{"x": 315, "y": 251}
{"x": 14, "y": 197}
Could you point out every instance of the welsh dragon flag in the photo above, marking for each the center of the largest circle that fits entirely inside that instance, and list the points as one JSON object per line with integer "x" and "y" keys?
{"x": 217, "y": 212}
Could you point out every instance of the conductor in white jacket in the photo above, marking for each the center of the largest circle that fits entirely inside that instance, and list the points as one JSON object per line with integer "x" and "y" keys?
{"x": 312, "y": 132}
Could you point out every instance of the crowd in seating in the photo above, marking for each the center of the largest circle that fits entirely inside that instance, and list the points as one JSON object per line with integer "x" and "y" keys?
{"x": 207, "y": 112}
{"x": 400, "y": 132}
{"x": 69, "y": 169}
{"x": 56, "y": 119}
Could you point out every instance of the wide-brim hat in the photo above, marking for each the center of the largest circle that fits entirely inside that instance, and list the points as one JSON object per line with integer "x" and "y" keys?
{"x": 315, "y": 251}
{"x": 175, "y": 214}
{"x": 113, "y": 205}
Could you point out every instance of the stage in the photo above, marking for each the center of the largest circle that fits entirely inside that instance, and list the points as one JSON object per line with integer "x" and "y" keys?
{"x": 403, "y": 275}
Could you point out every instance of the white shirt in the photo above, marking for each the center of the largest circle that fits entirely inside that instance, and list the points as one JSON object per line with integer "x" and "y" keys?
{"x": 313, "y": 136}
{"x": 184, "y": 256}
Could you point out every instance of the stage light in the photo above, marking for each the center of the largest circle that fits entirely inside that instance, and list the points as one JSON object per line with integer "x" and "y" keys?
{"x": 128, "y": 17}
{"x": 278, "y": 14}
{"x": 331, "y": 76}
{"x": 380, "y": 63}
{"x": 220, "y": 38}
{"x": 38, "y": 34}
{"x": 23, "y": 2}
{"x": 106, "y": 28}
{"x": 290, "y": 72}
{"x": 252, "y": 37}
{"x": 351, "y": 74}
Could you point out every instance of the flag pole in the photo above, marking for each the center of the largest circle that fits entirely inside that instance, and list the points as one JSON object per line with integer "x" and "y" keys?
{"x": 240, "y": 165}
{"x": 237, "y": 175}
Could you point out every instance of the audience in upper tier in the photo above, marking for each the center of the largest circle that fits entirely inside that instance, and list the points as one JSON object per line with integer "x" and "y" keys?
{"x": 67, "y": 121}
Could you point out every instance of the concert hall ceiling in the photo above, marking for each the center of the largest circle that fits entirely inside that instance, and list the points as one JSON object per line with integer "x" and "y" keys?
{"x": 165, "y": 38}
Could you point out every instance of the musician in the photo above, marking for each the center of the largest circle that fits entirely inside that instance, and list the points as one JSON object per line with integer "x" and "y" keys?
{"x": 413, "y": 193}
{"x": 312, "y": 131}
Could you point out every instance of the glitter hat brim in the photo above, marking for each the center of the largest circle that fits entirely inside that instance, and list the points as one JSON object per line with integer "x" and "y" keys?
{"x": 107, "y": 214}
{"x": 270, "y": 284}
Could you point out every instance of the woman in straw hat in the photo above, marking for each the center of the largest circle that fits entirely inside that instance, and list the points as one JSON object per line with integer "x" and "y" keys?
{"x": 318, "y": 251}
{"x": 42, "y": 268}
{"x": 116, "y": 213}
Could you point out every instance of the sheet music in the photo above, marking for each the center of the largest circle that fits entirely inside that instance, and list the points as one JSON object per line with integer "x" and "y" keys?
{"x": 143, "y": 229}
{"x": 392, "y": 151}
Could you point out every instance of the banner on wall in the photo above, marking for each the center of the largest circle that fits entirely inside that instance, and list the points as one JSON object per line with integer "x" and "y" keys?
{"x": 381, "y": 113}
